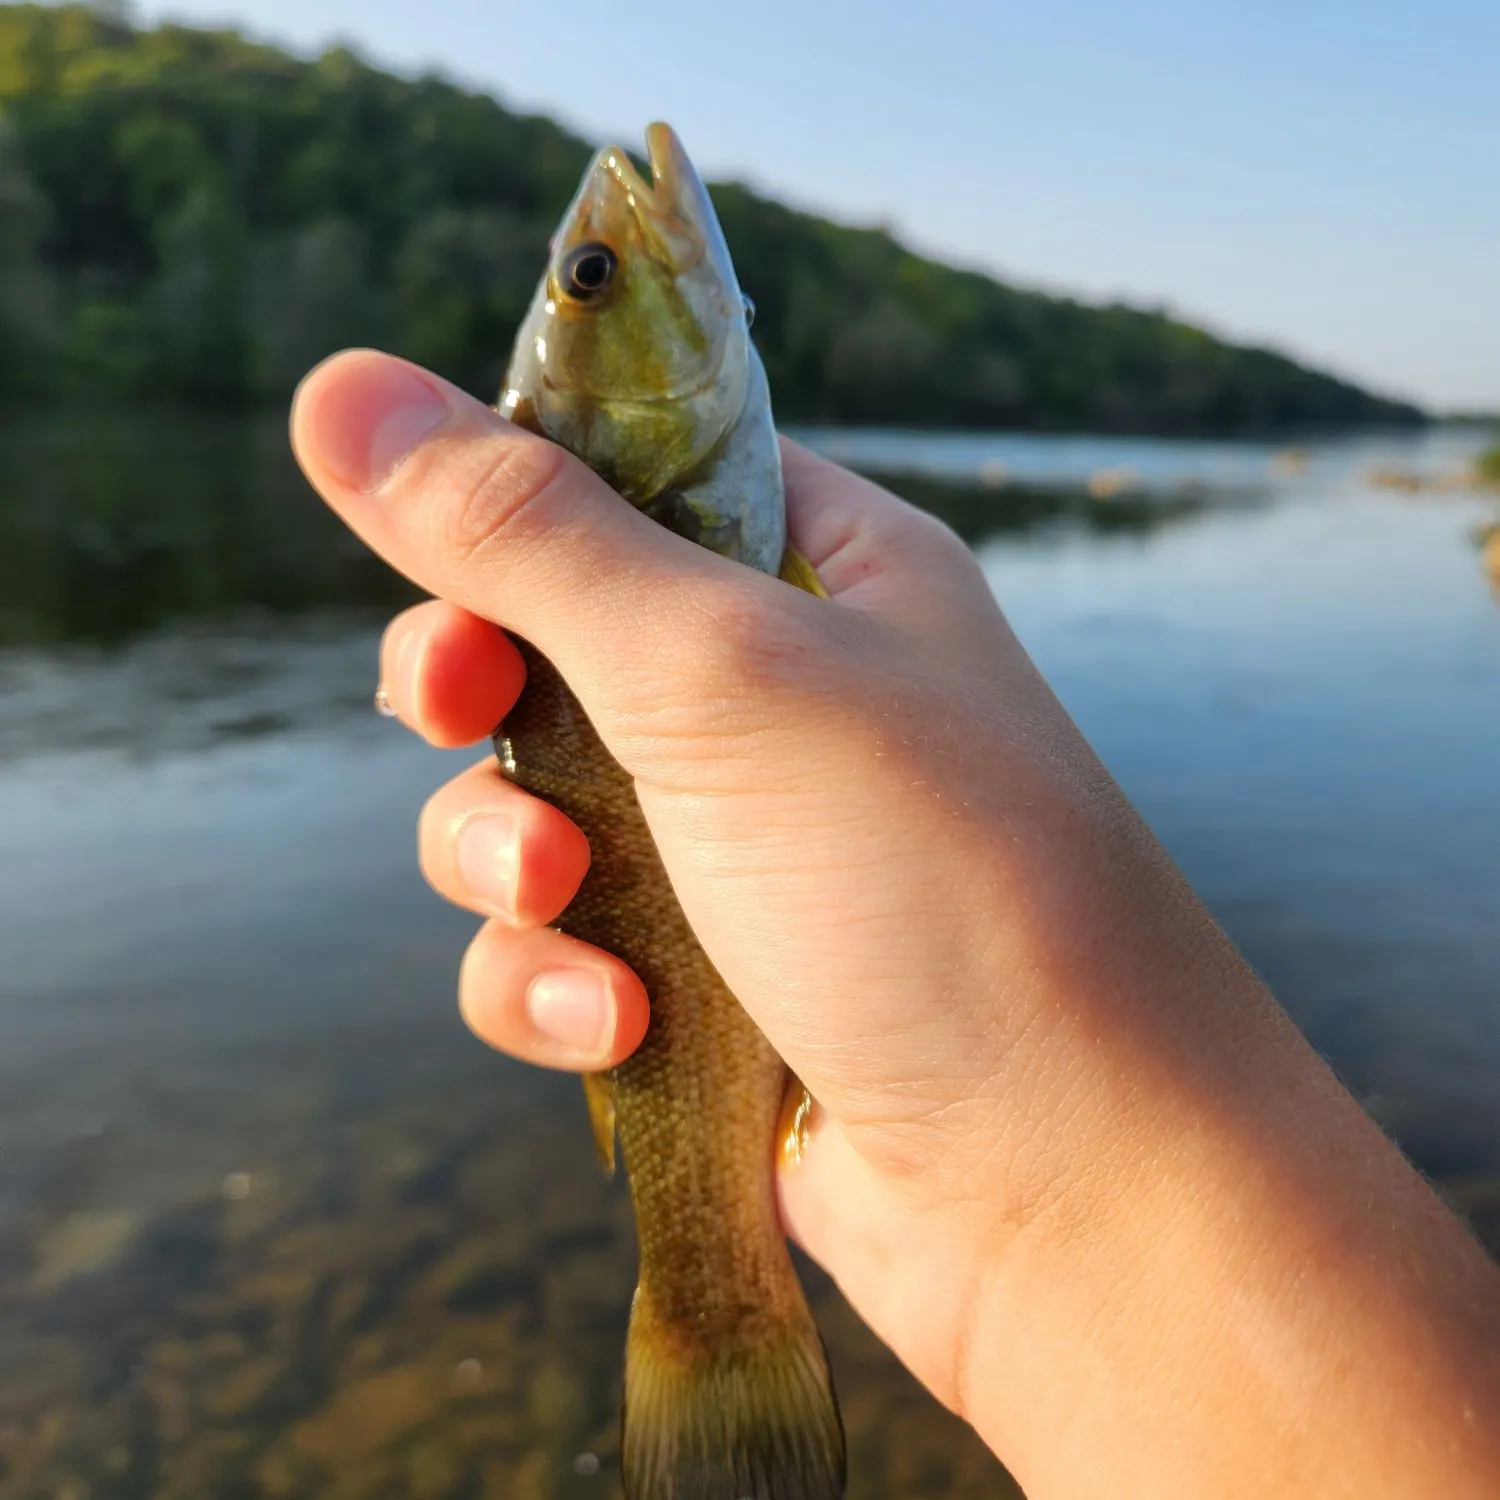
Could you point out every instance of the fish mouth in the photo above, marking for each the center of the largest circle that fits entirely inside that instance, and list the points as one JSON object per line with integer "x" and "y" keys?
{"x": 670, "y": 211}
{"x": 667, "y": 159}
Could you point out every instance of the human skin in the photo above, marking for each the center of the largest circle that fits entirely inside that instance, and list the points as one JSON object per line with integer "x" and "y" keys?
{"x": 1072, "y": 1162}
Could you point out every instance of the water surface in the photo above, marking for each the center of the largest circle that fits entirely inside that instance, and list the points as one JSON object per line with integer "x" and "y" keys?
{"x": 272, "y": 1224}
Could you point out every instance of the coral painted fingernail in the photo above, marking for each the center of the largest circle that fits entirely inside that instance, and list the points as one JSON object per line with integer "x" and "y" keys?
{"x": 572, "y": 1007}
{"x": 489, "y": 860}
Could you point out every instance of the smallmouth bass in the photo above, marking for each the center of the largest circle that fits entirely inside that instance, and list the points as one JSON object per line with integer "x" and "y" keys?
{"x": 636, "y": 357}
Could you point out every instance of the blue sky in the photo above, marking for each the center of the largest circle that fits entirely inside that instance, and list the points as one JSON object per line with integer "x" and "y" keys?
{"x": 1321, "y": 176}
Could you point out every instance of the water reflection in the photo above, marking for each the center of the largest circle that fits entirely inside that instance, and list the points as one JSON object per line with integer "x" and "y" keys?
{"x": 978, "y": 511}
{"x": 113, "y": 524}
{"x": 271, "y": 1224}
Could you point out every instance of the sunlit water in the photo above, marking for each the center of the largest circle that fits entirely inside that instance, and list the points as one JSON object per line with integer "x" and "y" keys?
{"x": 272, "y": 1224}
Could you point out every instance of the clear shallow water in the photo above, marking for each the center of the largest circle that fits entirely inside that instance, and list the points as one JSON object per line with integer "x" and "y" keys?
{"x": 272, "y": 1224}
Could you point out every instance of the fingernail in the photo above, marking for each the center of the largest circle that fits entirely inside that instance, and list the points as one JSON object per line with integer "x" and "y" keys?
{"x": 572, "y": 1007}
{"x": 488, "y": 862}
{"x": 369, "y": 417}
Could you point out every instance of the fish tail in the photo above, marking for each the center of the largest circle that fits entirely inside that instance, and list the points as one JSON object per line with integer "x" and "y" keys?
{"x": 751, "y": 1422}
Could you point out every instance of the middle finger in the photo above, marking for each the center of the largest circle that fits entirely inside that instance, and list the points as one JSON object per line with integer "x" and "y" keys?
{"x": 487, "y": 845}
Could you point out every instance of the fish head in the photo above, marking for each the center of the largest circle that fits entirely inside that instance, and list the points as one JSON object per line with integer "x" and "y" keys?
{"x": 635, "y": 352}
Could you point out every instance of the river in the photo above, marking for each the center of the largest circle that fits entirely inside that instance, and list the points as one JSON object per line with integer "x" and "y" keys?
{"x": 273, "y": 1224}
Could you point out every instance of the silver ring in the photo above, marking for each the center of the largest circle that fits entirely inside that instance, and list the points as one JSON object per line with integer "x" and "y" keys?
{"x": 383, "y": 703}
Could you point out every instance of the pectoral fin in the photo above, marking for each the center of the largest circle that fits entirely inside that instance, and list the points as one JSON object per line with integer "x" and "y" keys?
{"x": 599, "y": 1095}
{"x": 797, "y": 571}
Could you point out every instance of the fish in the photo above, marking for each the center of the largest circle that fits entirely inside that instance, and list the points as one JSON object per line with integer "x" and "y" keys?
{"x": 635, "y": 355}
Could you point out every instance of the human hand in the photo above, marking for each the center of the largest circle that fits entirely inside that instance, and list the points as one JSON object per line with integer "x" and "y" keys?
{"x": 920, "y": 883}
{"x": 842, "y": 792}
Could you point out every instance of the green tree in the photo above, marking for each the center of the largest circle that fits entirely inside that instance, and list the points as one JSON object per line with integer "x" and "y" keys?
{"x": 462, "y": 282}
{"x": 27, "y": 314}
{"x": 211, "y": 215}
{"x": 313, "y": 293}
{"x": 201, "y": 301}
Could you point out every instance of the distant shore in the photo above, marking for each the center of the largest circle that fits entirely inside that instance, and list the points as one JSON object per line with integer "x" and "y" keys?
{"x": 187, "y": 213}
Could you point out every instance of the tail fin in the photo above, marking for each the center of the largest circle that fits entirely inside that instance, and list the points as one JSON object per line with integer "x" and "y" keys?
{"x": 757, "y": 1423}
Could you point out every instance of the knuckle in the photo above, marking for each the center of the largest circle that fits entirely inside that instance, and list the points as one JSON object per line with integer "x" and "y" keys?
{"x": 951, "y": 550}
{"x": 510, "y": 481}
{"x": 940, "y": 535}
{"x": 912, "y": 529}
{"x": 742, "y": 640}
{"x": 728, "y": 659}
{"x": 719, "y": 679}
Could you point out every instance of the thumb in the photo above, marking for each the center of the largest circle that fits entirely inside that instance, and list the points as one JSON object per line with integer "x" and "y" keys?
{"x": 508, "y": 525}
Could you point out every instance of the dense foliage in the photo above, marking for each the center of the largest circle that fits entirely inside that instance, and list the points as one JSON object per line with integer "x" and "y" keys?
{"x": 189, "y": 215}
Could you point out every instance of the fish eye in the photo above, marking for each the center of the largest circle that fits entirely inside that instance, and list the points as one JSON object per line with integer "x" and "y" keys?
{"x": 587, "y": 271}
{"x": 749, "y": 309}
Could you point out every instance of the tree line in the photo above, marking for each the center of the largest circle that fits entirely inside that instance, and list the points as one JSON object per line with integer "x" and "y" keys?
{"x": 188, "y": 215}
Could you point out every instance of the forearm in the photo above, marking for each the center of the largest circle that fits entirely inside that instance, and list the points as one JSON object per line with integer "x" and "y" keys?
{"x": 1236, "y": 1286}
